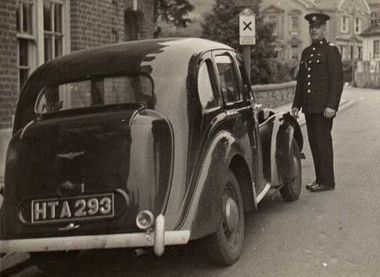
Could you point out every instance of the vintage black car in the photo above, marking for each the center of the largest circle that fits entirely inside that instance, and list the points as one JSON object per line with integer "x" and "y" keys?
{"x": 143, "y": 144}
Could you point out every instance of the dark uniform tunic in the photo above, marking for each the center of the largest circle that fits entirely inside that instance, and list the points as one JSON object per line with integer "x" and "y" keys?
{"x": 319, "y": 86}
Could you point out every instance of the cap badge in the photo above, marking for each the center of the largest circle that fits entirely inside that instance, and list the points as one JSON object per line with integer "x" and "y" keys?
{"x": 314, "y": 18}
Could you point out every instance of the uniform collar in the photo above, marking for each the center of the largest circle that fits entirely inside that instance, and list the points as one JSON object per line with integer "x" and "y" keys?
{"x": 319, "y": 42}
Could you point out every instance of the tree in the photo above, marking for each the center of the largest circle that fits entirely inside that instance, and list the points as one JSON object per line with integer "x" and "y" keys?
{"x": 173, "y": 11}
{"x": 222, "y": 24}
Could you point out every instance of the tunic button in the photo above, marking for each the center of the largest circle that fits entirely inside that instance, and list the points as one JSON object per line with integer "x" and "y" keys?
{"x": 311, "y": 55}
{"x": 308, "y": 68}
{"x": 309, "y": 61}
{"x": 321, "y": 42}
{"x": 317, "y": 61}
{"x": 313, "y": 48}
{"x": 308, "y": 83}
{"x": 308, "y": 76}
{"x": 309, "y": 90}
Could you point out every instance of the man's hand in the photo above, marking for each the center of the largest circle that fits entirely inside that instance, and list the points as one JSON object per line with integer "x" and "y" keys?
{"x": 295, "y": 112}
{"x": 329, "y": 113}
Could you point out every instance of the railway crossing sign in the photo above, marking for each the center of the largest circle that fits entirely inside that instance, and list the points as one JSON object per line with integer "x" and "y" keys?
{"x": 247, "y": 27}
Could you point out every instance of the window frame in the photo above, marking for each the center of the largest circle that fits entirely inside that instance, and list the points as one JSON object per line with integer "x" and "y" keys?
{"x": 376, "y": 49}
{"x": 208, "y": 60}
{"x": 236, "y": 85}
{"x": 344, "y": 24}
{"x": 35, "y": 37}
{"x": 293, "y": 19}
{"x": 357, "y": 25}
{"x": 29, "y": 38}
{"x": 247, "y": 95}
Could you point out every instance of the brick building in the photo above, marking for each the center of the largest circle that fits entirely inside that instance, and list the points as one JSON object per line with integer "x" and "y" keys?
{"x": 34, "y": 31}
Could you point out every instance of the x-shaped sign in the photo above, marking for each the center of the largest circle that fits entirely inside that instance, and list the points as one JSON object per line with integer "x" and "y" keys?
{"x": 247, "y": 25}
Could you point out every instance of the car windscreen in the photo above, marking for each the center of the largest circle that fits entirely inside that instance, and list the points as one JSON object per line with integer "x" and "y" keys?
{"x": 95, "y": 92}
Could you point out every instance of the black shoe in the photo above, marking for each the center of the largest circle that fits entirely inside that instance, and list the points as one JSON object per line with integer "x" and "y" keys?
{"x": 311, "y": 185}
{"x": 318, "y": 188}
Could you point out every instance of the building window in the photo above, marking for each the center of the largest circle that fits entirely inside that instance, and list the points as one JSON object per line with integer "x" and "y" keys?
{"x": 274, "y": 20}
{"x": 376, "y": 49}
{"x": 53, "y": 31}
{"x": 295, "y": 23}
{"x": 373, "y": 18}
{"x": 359, "y": 53}
{"x": 132, "y": 21}
{"x": 344, "y": 24}
{"x": 40, "y": 38}
{"x": 358, "y": 25}
{"x": 26, "y": 40}
{"x": 295, "y": 51}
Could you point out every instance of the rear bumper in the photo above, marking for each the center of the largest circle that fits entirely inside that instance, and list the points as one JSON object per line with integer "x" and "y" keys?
{"x": 157, "y": 239}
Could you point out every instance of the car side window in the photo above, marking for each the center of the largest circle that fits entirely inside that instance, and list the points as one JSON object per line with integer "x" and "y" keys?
{"x": 244, "y": 79}
{"x": 227, "y": 78}
{"x": 206, "y": 92}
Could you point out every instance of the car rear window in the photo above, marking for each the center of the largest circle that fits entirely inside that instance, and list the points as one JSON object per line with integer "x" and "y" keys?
{"x": 95, "y": 92}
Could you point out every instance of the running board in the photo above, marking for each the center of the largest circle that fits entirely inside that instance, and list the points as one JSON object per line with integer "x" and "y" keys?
{"x": 263, "y": 193}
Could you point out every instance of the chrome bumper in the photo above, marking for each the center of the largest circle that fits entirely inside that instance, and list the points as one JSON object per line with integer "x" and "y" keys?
{"x": 156, "y": 239}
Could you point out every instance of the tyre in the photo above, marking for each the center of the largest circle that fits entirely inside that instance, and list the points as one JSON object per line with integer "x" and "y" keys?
{"x": 224, "y": 247}
{"x": 55, "y": 262}
{"x": 291, "y": 189}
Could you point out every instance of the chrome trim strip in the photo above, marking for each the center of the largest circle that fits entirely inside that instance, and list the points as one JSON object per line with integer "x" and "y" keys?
{"x": 25, "y": 128}
{"x": 263, "y": 193}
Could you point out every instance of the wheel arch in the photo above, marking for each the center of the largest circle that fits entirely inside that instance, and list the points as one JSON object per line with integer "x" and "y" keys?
{"x": 288, "y": 132}
{"x": 241, "y": 171}
{"x": 297, "y": 134}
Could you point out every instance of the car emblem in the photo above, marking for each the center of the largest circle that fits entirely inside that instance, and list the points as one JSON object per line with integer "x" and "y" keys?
{"x": 70, "y": 226}
{"x": 70, "y": 155}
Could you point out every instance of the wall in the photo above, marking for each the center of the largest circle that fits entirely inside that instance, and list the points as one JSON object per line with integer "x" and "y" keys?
{"x": 95, "y": 22}
{"x": 274, "y": 95}
{"x": 8, "y": 62}
{"x": 367, "y": 74}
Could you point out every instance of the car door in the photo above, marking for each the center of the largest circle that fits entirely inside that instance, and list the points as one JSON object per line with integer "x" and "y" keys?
{"x": 256, "y": 144}
{"x": 239, "y": 107}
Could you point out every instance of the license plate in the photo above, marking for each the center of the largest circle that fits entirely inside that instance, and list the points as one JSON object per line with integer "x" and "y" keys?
{"x": 84, "y": 207}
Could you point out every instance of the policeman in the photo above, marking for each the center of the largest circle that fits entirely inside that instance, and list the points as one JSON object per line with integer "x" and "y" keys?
{"x": 318, "y": 91}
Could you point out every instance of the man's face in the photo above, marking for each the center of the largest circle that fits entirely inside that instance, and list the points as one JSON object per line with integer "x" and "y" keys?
{"x": 317, "y": 31}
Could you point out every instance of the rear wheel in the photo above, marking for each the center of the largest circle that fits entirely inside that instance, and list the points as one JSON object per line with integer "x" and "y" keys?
{"x": 293, "y": 183}
{"x": 55, "y": 262}
{"x": 224, "y": 247}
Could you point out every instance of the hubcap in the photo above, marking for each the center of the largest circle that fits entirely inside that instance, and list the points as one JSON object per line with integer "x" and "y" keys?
{"x": 231, "y": 215}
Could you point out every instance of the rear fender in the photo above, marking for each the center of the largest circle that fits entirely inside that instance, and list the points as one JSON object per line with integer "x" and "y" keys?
{"x": 204, "y": 213}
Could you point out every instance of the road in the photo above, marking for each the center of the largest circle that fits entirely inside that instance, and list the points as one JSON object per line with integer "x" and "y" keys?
{"x": 334, "y": 233}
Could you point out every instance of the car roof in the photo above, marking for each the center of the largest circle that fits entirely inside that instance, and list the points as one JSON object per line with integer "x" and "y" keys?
{"x": 123, "y": 58}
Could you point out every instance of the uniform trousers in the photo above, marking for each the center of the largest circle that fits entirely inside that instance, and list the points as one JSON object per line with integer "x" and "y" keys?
{"x": 320, "y": 140}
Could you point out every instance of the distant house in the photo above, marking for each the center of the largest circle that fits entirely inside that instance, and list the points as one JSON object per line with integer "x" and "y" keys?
{"x": 35, "y": 31}
{"x": 348, "y": 18}
{"x": 289, "y": 26}
{"x": 371, "y": 43}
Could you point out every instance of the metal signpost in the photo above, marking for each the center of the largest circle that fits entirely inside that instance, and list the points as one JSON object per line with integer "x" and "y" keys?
{"x": 247, "y": 35}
